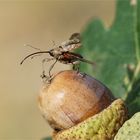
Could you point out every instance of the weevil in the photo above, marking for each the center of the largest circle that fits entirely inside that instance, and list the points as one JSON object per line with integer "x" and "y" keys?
{"x": 63, "y": 53}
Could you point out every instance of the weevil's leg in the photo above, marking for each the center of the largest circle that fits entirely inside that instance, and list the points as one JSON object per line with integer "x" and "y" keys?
{"x": 73, "y": 66}
{"x": 52, "y": 67}
{"x": 53, "y": 42}
{"x": 43, "y": 75}
{"x": 47, "y": 60}
{"x": 76, "y": 66}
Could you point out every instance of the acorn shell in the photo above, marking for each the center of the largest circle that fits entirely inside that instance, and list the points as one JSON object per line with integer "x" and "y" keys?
{"x": 72, "y": 97}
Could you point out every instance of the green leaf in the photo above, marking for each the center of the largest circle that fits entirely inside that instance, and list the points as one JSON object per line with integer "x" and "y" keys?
{"x": 134, "y": 106}
{"x": 47, "y": 138}
{"x": 114, "y": 48}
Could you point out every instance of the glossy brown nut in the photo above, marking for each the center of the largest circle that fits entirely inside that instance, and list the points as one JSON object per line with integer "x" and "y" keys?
{"x": 72, "y": 97}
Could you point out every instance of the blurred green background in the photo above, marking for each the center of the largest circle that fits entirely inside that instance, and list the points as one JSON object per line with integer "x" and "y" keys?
{"x": 35, "y": 22}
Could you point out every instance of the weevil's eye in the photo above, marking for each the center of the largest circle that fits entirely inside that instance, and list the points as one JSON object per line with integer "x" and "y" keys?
{"x": 52, "y": 50}
{"x": 75, "y": 36}
{"x": 60, "y": 47}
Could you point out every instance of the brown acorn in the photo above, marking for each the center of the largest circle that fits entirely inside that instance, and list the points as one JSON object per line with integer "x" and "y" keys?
{"x": 71, "y": 97}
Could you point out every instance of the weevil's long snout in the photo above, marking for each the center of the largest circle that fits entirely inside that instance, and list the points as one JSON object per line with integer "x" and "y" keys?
{"x": 32, "y": 54}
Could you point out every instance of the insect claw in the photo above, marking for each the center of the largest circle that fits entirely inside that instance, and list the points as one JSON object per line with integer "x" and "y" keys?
{"x": 45, "y": 78}
{"x": 43, "y": 75}
{"x": 83, "y": 75}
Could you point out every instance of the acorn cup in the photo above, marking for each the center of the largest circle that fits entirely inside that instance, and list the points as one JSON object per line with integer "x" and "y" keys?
{"x": 102, "y": 126}
{"x": 73, "y": 98}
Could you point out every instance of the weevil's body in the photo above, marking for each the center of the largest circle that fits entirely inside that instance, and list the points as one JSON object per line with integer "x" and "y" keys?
{"x": 63, "y": 54}
{"x": 67, "y": 57}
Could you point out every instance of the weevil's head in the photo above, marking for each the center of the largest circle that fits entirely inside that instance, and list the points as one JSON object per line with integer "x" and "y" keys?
{"x": 56, "y": 52}
{"x": 75, "y": 36}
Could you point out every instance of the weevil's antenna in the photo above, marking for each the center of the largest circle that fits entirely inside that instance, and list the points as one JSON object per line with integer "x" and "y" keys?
{"x": 52, "y": 67}
{"x": 28, "y": 45}
{"x": 32, "y": 54}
